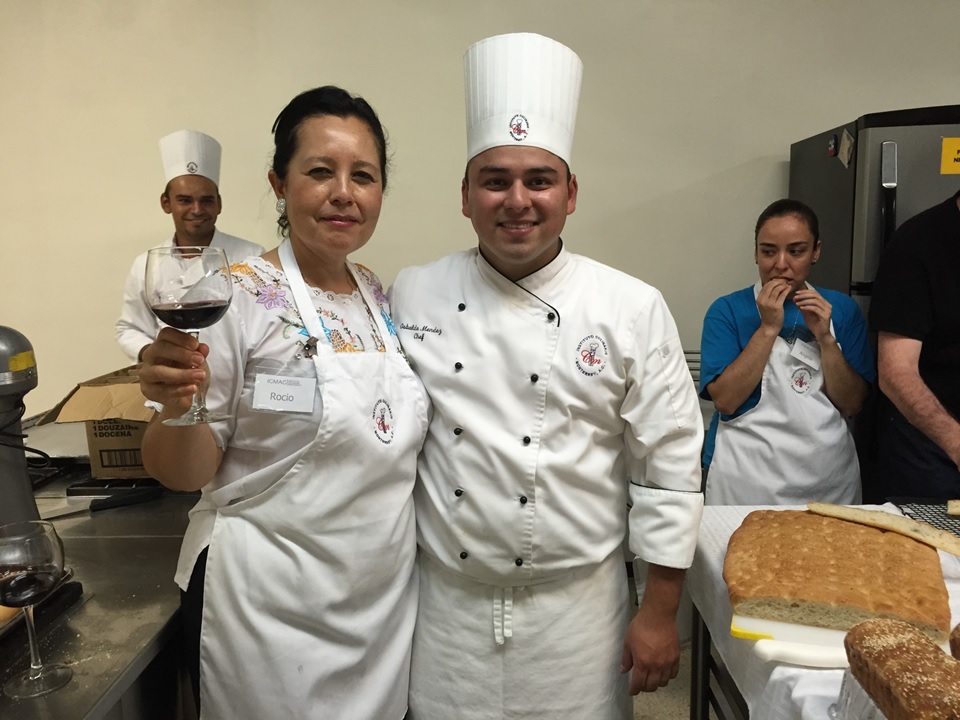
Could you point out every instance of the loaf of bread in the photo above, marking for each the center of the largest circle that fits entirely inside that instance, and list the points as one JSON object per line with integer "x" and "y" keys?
{"x": 953, "y": 507}
{"x": 920, "y": 531}
{"x": 807, "y": 569}
{"x": 905, "y": 674}
{"x": 955, "y": 642}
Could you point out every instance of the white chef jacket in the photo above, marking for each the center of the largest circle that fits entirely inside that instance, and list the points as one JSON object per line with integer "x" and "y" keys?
{"x": 553, "y": 399}
{"x": 137, "y": 325}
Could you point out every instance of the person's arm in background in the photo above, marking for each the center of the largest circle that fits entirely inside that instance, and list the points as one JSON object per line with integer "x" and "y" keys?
{"x": 136, "y": 326}
{"x": 845, "y": 388}
{"x": 900, "y": 380}
{"x": 741, "y": 377}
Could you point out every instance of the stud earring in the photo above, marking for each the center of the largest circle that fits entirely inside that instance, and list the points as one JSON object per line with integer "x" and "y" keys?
{"x": 281, "y": 206}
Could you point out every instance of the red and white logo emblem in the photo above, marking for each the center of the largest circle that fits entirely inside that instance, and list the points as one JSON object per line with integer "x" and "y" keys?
{"x": 519, "y": 125}
{"x": 800, "y": 381}
{"x": 592, "y": 355}
{"x": 382, "y": 417}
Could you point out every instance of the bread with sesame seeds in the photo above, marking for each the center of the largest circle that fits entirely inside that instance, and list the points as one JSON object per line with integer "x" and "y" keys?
{"x": 905, "y": 674}
{"x": 799, "y": 567}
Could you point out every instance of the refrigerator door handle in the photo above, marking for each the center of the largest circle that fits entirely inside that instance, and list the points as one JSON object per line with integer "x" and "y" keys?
{"x": 888, "y": 184}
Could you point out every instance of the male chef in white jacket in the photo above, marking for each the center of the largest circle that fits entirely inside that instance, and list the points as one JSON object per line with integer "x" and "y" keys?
{"x": 560, "y": 395}
{"x": 191, "y": 168}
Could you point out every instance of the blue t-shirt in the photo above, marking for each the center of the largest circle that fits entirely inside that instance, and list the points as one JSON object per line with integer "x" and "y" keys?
{"x": 733, "y": 319}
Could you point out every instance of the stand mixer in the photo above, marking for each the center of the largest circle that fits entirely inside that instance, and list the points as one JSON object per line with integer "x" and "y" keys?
{"x": 18, "y": 376}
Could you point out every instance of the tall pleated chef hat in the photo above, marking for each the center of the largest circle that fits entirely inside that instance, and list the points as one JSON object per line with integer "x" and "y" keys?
{"x": 190, "y": 152}
{"x": 521, "y": 89}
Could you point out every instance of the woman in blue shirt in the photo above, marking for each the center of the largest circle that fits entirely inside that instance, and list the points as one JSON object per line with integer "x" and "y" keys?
{"x": 785, "y": 365}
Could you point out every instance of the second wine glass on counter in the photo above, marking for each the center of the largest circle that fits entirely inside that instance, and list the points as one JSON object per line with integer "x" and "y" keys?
{"x": 189, "y": 288}
{"x": 31, "y": 566}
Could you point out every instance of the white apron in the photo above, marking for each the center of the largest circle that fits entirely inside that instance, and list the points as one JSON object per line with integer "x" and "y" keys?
{"x": 793, "y": 447}
{"x": 311, "y": 586}
{"x": 515, "y": 642}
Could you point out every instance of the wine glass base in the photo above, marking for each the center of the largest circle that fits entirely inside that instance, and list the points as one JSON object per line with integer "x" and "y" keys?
{"x": 52, "y": 677}
{"x": 201, "y": 417}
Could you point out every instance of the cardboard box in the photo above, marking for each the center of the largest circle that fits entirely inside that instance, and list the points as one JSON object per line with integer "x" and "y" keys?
{"x": 113, "y": 409}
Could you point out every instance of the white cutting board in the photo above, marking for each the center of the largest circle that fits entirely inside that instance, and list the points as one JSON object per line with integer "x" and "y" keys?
{"x": 789, "y": 643}
{"x": 794, "y": 644}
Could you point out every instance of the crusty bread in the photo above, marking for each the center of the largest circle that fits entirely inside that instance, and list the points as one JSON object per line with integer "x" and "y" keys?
{"x": 955, "y": 642}
{"x": 798, "y": 567}
{"x": 953, "y": 507}
{"x": 920, "y": 531}
{"x": 905, "y": 674}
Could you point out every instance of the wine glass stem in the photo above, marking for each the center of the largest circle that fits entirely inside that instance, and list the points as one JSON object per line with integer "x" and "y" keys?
{"x": 199, "y": 397}
{"x": 35, "y": 666}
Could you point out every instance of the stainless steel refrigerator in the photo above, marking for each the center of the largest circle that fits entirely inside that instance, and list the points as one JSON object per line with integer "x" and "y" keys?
{"x": 864, "y": 179}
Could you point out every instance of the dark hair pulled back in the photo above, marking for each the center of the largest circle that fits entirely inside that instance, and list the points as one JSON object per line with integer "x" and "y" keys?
{"x": 326, "y": 100}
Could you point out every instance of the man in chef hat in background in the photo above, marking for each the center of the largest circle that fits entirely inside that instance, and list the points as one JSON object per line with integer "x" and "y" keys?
{"x": 191, "y": 168}
{"x": 560, "y": 395}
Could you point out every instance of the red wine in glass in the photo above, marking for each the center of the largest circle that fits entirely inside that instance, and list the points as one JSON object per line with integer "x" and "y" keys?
{"x": 28, "y": 586}
{"x": 189, "y": 288}
{"x": 191, "y": 315}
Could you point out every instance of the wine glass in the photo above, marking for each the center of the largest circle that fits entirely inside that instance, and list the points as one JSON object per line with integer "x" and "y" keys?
{"x": 31, "y": 565}
{"x": 189, "y": 288}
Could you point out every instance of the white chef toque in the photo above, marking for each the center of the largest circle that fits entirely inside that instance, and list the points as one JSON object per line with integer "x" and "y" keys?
{"x": 190, "y": 152}
{"x": 521, "y": 89}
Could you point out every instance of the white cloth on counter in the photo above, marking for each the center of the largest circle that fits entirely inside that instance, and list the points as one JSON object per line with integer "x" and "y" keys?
{"x": 772, "y": 690}
{"x": 137, "y": 325}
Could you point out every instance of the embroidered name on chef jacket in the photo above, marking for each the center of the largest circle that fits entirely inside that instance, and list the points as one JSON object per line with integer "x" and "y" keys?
{"x": 592, "y": 354}
{"x": 281, "y": 393}
{"x": 421, "y": 331}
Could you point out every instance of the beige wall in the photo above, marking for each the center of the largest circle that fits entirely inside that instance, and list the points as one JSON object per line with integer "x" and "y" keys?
{"x": 687, "y": 114}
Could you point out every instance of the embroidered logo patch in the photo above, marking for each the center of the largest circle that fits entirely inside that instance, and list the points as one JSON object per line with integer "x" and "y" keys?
{"x": 383, "y": 421}
{"x": 519, "y": 125}
{"x": 592, "y": 355}
{"x": 191, "y": 167}
{"x": 800, "y": 381}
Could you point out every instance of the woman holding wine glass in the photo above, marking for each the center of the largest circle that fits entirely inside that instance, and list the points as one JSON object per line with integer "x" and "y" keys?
{"x": 299, "y": 560}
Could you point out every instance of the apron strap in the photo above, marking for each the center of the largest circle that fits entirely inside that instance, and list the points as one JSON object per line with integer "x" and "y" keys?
{"x": 502, "y": 613}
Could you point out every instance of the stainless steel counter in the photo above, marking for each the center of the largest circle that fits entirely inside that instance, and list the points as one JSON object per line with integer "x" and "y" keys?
{"x": 126, "y": 620}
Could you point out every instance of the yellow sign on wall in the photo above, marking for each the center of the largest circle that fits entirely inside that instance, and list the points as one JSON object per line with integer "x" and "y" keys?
{"x": 950, "y": 157}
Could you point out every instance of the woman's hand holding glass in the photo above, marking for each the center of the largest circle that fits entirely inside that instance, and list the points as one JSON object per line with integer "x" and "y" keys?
{"x": 174, "y": 370}
{"x": 187, "y": 288}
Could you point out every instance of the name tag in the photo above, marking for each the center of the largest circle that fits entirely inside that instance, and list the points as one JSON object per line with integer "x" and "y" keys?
{"x": 806, "y": 353}
{"x": 282, "y": 393}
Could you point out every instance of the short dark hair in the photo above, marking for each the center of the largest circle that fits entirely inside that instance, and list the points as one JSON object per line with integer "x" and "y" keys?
{"x": 788, "y": 206}
{"x": 326, "y": 100}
